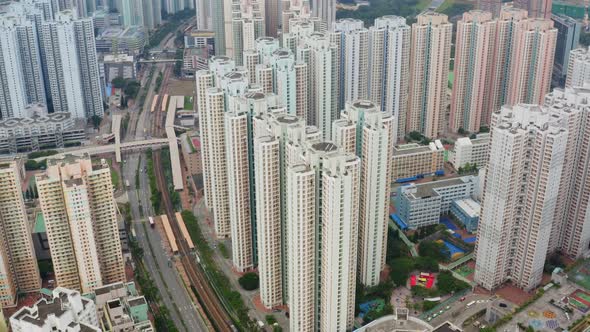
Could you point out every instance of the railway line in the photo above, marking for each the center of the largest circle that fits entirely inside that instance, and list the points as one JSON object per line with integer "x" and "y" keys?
{"x": 217, "y": 315}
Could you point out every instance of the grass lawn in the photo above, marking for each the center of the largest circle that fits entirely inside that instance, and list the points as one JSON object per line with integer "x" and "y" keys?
{"x": 188, "y": 102}
{"x": 115, "y": 178}
{"x": 445, "y": 6}
{"x": 453, "y": 8}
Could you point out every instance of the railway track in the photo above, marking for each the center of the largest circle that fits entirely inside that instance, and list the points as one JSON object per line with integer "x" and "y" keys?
{"x": 217, "y": 315}
{"x": 213, "y": 308}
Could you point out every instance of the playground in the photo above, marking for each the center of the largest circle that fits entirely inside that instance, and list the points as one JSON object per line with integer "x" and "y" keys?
{"x": 542, "y": 320}
{"x": 423, "y": 279}
{"x": 377, "y": 305}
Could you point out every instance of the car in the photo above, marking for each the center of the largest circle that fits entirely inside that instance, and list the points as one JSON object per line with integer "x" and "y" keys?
{"x": 276, "y": 310}
{"x": 434, "y": 316}
{"x": 440, "y": 312}
{"x": 428, "y": 319}
{"x": 462, "y": 299}
{"x": 447, "y": 307}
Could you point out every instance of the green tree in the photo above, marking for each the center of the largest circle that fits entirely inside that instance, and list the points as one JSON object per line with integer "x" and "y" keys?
{"x": 429, "y": 305}
{"x": 249, "y": 281}
{"x": 132, "y": 88}
{"x": 448, "y": 284}
{"x": 96, "y": 120}
{"x": 400, "y": 270}
{"x": 374, "y": 313}
{"x": 119, "y": 82}
{"x": 415, "y": 136}
{"x": 435, "y": 250}
{"x": 270, "y": 319}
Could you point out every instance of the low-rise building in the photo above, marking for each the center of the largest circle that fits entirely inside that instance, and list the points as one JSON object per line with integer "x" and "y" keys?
{"x": 200, "y": 39}
{"x": 420, "y": 205}
{"x": 121, "y": 309}
{"x": 40, "y": 130}
{"x": 119, "y": 65}
{"x": 129, "y": 40}
{"x": 191, "y": 153}
{"x": 66, "y": 310}
{"x": 413, "y": 160}
{"x": 471, "y": 151}
{"x": 401, "y": 321}
{"x": 467, "y": 212}
{"x": 195, "y": 59}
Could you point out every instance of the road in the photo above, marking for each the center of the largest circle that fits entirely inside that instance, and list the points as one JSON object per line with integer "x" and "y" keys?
{"x": 173, "y": 293}
{"x": 459, "y": 312}
{"x": 172, "y": 290}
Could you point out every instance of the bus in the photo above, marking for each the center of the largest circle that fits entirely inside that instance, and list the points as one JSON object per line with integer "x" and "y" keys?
{"x": 152, "y": 224}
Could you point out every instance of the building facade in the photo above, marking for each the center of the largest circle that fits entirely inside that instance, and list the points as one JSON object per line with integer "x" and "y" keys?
{"x": 521, "y": 188}
{"x": 411, "y": 160}
{"x": 389, "y": 58}
{"x": 78, "y": 206}
{"x": 367, "y": 132}
{"x": 429, "y": 72}
{"x": 568, "y": 36}
{"x": 17, "y": 241}
{"x": 473, "y": 59}
{"x": 578, "y": 69}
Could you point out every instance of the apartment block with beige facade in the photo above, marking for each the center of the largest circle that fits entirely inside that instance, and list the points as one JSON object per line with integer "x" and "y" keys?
{"x": 521, "y": 193}
{"x": 368, "y": 133}
{"x": 532, "y": 61}
{"x": 473, "y": 60}
{"x": 7, "y": 283}
{"x": 17, "y": 243}
{"x": 412, "y": 159}
{"x": 429, "y": 74}
{"x": 78, "y": 206}
{"x": 523, "y": 60}
{"x": 507, "y": 23}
